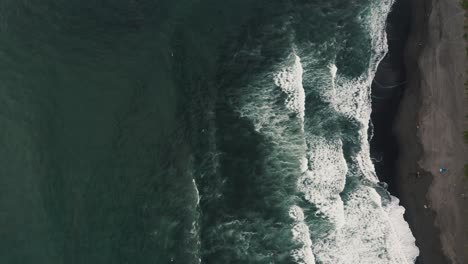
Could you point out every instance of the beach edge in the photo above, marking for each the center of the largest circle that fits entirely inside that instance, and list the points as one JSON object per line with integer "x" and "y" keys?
{"x": 429, "y": 129}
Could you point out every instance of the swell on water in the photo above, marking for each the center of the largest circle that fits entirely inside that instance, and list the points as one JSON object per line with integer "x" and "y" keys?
{"x": 301, "y": 125}
{"x": 367, "y": 224}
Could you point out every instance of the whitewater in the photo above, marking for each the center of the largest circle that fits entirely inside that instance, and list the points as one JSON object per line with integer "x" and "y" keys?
{"x": 190, "y": 132}
{"x": 364, "y": 223}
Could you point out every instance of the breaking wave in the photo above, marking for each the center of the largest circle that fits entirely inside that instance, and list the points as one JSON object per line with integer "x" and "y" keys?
{"x": 357, "y": 224}
{"x": 301, "y": 131}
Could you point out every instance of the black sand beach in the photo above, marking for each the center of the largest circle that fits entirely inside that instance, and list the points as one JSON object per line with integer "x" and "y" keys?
{"x": 406, "y": 25}
{"x": 427, "y": 118}
{"x": 411, "y": 186}
{"x": 387, "y": 88}
{"x": 435, "y": 59}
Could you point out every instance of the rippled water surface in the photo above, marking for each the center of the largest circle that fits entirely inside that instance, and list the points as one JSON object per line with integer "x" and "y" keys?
{"x": 138, "y": 131}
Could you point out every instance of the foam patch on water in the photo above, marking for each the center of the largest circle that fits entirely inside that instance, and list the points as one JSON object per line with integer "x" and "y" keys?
{"x": 373, "y": 232}
{"x": 301, "y": 234}
{"x": 289, "y": 80}
{"x": 323, "y": 183}
{"x": 197, "y": 193}
{"x": 401, "y": 231}
{"x": 256, "y": 105}
{"x": 333, "y": 70}
{"x": 353, "y": 99}
{"x": 368, "y": 236}
{"x": 259, "y": 97}
{"x": 274, "y": 122}
{"x": 194, "y": 233}
{"x": 365, "y": 229}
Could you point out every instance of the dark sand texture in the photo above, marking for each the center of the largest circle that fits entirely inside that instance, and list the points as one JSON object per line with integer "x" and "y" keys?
{"x": 387, "y": 86}
{"x": 429, "y": 129}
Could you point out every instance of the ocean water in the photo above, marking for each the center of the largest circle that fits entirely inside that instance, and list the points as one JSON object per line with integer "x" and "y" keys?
{"x": 193, "y": 131}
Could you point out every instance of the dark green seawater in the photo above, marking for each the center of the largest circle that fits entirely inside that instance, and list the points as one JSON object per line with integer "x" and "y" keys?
{"x": 204, "y": 131}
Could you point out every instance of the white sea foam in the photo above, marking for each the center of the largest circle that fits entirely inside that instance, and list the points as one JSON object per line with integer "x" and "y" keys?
{"x": 366, "y": 230}
{"x": 289, "y": 80}
{"x": 373, "y": 232}
{"x": 323, "y": 184}
{"x": 402, "y": 231}
{"x": 333, "y": 70}
{"x": 258, "y": 105}
{"x": 301, "y": 234}
{"x": 195, "y": 229}
{"x": 197, "y": 193}
{"x": 369, "y": 235}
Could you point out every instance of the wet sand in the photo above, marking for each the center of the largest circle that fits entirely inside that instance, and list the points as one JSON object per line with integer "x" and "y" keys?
{"x": 429, "y": 129}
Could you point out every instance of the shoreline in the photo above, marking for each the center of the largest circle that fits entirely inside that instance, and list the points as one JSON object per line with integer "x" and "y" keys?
{"x": 418, "y": 124}
{"x": 395, "y": 146}
{"x": 387, "y": 87}
{"x": 411, "y": 188}
{"x": 429, "y": 127}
